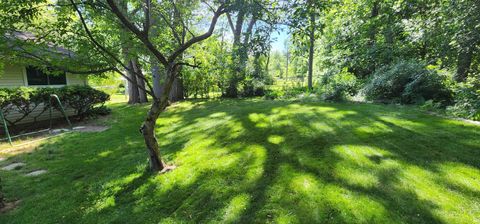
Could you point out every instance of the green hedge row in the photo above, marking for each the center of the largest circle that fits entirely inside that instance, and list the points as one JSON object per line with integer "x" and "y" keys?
{"x": 84, "y": 100}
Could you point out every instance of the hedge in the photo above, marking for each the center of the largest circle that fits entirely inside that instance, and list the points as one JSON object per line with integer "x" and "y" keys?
{"x": 84, "y": 100}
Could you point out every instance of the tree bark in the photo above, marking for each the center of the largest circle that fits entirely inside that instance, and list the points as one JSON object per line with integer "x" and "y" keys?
{"x": 132, "y": 87}
{"x": 177, "y": 93}
{"x": 287, "y": 61}
{"x": 237, "y": 54}
{"x": 312, "y": 47}
{"x": 372, "y": 33}
{"x": 157, "y": 78}
{"x": 148, "y": 127}
{"x": 464, "y": 62}
{"x": 142, "y": 95}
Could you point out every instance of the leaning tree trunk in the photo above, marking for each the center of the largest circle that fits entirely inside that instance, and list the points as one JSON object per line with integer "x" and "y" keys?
{"x": 148, "y": 127}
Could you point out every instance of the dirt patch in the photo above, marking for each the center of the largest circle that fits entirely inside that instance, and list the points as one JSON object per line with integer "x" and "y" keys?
{"x": 9, "y": 206}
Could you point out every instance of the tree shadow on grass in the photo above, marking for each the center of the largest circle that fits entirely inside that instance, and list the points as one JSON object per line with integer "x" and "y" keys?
{"x": 256, "y": 161}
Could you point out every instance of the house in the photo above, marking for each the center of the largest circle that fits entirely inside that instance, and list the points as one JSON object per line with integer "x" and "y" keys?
{"x": 18, "y": 75}
{"x": 15, "y": 75}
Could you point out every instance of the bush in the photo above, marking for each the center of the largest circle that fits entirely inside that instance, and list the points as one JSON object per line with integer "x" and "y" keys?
{"x": 338, "y": 86}
{"x": 253, "y": 87}
{"x": 85, "y": 100}
{"x": 407, "y": 82}
{"x": 273, "y": 94}
{"x": 466, "y": 99}
{"x": 82, "y": 99}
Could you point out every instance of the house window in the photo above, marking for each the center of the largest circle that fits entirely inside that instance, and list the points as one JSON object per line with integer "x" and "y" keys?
{"x": 37, "y": 77}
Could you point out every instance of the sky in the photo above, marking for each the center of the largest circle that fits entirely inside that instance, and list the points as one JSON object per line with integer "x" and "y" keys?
{"x": 279, "y": 36}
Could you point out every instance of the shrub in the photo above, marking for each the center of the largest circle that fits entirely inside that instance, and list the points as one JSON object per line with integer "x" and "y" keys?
{"x": 85, "y": 100}
{"x": 407, "y": 82}
{"x": 273, "y": 94}
{"x": 466, "y": 99}
{"x": 82, "y": 99}
{"x": 338, "y": 86}
{"x": 253, "y": 87}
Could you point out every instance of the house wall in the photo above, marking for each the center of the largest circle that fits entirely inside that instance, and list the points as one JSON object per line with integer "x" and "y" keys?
{"x": 15, "y": 76}
{"x": 12, "y": 76}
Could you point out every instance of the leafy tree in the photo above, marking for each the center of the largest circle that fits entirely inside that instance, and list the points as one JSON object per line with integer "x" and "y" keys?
{"x": 305, "y": 24}
{"x": 98, "y": 30}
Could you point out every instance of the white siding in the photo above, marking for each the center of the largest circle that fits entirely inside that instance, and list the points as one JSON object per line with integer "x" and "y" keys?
{"x": 43, "y": 117}
{"x": 15, "y": 76}
{"x": 76, "y": 80}
{"x": 12, "y": 76}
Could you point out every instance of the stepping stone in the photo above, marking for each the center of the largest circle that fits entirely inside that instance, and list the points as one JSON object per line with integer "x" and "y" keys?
{"x": 91, "y": 128}
{"x": 35, "y": 173}
{"x": 13, "y": 166}
{"x": 58, "y": 131}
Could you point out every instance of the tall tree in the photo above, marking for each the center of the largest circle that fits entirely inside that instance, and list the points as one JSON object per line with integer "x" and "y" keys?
{"x": 304, "y": 21}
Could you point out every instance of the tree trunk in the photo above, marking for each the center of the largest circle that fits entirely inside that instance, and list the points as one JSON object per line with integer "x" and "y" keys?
{"x": 310, "y": 56}
{"x": 142, "y": 95}
{"x": 372, "y": 33}
{"x": 133, "y": 94}
{"x": 157, "y": 78}
{"x": 148, "y": 127}
{"x": 177, "y": 93}
{"x": 464, "y": 62}
{"x": 132, "y": 87}
{"x": 237, "y": 55}
{"x": 286, "y": 67}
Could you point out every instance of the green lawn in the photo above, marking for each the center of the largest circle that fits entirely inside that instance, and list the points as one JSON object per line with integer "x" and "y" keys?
{"x": 258, "y": 161}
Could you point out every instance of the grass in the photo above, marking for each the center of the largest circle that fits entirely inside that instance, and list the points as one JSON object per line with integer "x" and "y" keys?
{"x": 253, "y": 161}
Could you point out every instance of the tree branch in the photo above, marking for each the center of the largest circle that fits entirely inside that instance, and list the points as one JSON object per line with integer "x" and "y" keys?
{"x": 111, "y": 55}
{"x": 230, "y": 22}
{"x": 142, "y": 36}
{"x": 197, "y": 39}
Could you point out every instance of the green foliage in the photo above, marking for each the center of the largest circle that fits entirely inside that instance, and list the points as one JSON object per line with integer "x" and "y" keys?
{"x": 467, "y": 99}
{"x": 407, "y": 82}
{"x": 339, "y": 86}
{"x": 286, "y": 92}
{"x": 108, "y": 83}
{"x": 85, "y": 100}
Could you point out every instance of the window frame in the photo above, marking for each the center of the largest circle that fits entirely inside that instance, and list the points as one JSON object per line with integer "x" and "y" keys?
{"x": 25, "y": 79}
